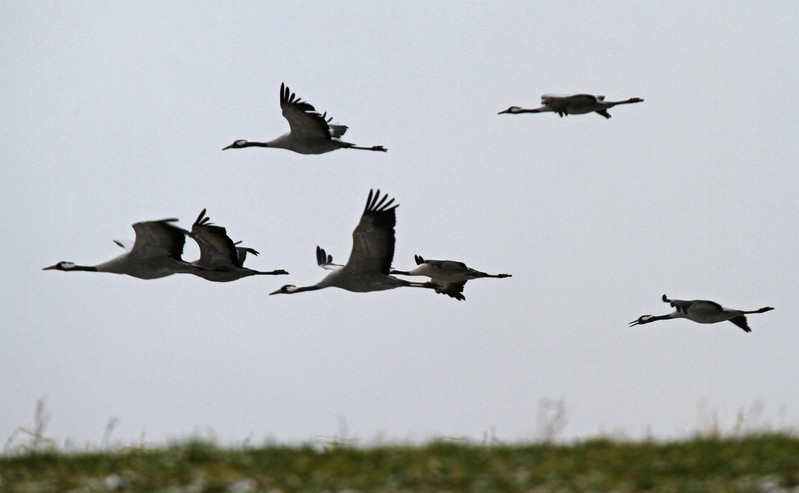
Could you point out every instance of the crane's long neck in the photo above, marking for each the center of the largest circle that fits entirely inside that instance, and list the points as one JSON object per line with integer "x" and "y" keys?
{"x": 610, "y": 104}
{"x": 116, "y": 265}
{"x": 308, "y": 288}
{"x": 515, "y": 110}
{"x": 254, "y": 144}
{"x": 533, "y": 110}
{"x": 655, "y": 318}
{"x": 289, "y": 289}
{"x": 87, "y": 268}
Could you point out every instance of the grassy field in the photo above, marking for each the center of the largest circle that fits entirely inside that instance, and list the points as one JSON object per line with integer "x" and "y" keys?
{"x": 756, "y": 463}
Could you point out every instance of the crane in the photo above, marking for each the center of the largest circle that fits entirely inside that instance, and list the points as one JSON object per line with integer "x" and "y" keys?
{"x": 451, "y": 275}
{"x": 370, "y": 259}
{"x": 572, "y": 104}
{"x": 156, "y": 253}
{"x": 703, "y": 312}
{"x": 311, "y": 133}
{"x": 221, "y": 259}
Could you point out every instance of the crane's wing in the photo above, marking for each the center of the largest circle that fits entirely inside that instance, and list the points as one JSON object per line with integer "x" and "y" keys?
{"x": 444, "y": 265}
{"x": 124, "y": 244}
{"x": 681, "y": 305}
{"x": 373, "y": 238}
{"x": 451, "y": 289}
{"x": 449, "y": 268}
{"x": 695, "y": 305}
{"x": 556, "y": 102}
{"x": 554, "y": 96}
{"x": 325, "y": 261}
{"x": 452, "y": 266}
{"x": 740, "y": 321}
{"x": 243, "y": 251}
{"x": 700, "y": 307}
{"x": 303, "y": 118}
{"x": 336, "y": 129}
{"x": 561, "y": 101}
{"x": 156, "y": 239}
{"x": 216, "y": 247}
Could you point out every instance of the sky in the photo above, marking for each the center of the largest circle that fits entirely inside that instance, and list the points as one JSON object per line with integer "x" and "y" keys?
{"x": 117, "y": 113}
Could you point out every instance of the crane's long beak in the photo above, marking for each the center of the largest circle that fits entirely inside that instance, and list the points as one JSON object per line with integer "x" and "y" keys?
{"x": 52, "y": 267}
{"x": 228, "y": 147}
{"x": 503, "y": 111}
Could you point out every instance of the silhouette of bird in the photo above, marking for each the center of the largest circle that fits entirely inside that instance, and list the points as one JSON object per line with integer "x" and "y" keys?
{"x": 311, "y": 133}
{"x": 572, "y": 104}
{"x": 703, "y": 312}
{"x": 370, "y": 259}
{"x": 221, "y": 259}
{"x": 156, "y": 253}
{"x": 451, "y": 275}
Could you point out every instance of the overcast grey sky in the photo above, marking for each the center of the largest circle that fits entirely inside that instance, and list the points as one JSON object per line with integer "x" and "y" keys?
{"x": 117, "y": 113}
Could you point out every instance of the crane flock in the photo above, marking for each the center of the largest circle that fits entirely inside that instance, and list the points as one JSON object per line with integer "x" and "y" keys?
{"x": 158, "y": 249}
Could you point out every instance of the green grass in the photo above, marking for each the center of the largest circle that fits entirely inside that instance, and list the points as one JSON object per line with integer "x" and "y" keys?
{"x": 760, "y": 462}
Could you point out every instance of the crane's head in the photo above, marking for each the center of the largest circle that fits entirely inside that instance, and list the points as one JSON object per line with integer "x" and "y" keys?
{"x": 61, "y": 266}
{"x": 512, "y": 110}
{"x": 643, "y": 319}
{"x": 237, "y": 145}
{"x": 287, "y": 289}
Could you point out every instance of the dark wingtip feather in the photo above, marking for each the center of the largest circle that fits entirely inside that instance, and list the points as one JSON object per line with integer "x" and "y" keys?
{"x": 369, "y": 199}
{"x": 288, "y": 97}
{"x": 376, "y": 203}
{"x": 320, "y": 255}
{"x": 201, "y": 219}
